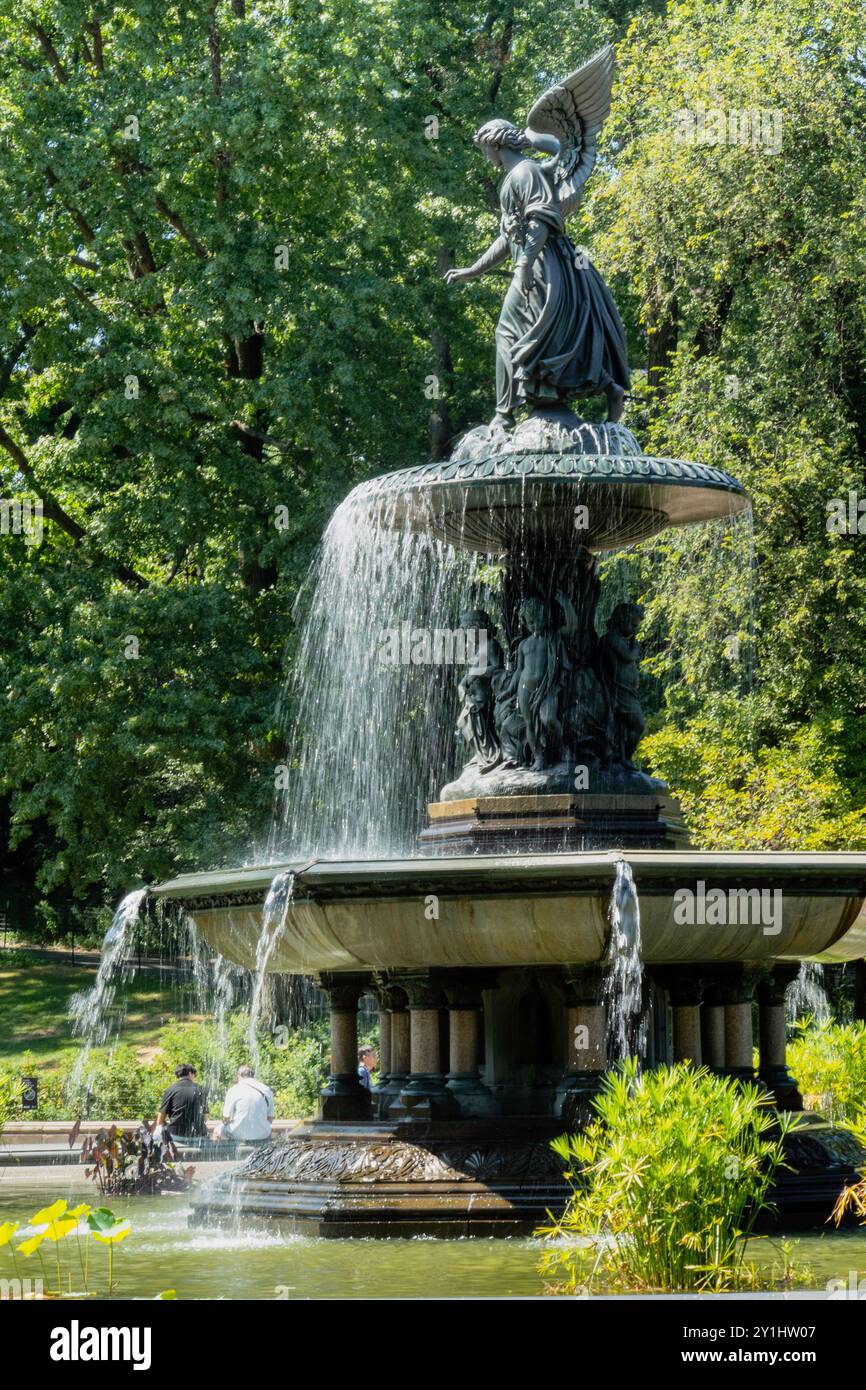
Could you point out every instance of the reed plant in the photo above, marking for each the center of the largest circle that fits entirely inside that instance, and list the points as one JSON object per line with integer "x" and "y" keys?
{"x": 668, "y": 1180}
{"x": 828, "y": 1062}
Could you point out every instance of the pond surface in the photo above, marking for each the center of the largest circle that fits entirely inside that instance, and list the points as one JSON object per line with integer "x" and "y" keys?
{"x": 164, "y": 1252}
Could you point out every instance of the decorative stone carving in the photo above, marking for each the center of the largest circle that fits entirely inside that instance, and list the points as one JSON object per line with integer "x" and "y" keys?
{"x": 343, "y": 1161}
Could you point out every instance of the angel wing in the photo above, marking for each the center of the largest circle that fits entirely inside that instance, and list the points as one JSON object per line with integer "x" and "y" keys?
{"x": 573, "y": 113}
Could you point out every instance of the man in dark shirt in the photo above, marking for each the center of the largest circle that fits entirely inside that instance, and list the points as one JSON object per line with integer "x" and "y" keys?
{"x": 183, "y": 1108}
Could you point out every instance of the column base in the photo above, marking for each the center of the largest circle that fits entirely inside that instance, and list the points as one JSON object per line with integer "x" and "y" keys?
{"x": 781, "y": 1084}
{"x": 424, "y": 1097}
{"x": 344, "y": 1098}
{"x": 741, "y": 1074}
{"x": 387, "y": 1092}
{"x": 574, "y": 1094}
{"x": 470, "y": 1093}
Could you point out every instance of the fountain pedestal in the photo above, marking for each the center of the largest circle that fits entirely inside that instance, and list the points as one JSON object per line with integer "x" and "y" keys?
{"x": 498, "y": 824}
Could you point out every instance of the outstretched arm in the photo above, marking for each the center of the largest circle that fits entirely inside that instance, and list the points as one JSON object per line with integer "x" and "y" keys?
{"x": 493, "y": 256}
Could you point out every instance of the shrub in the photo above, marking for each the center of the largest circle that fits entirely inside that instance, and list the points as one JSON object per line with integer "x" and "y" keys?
{"x": 10, "y": 1098}
{"x": 828, "y": 1062}
{"x": 119, "y": 1085}
{"x": 667, "y": 1181}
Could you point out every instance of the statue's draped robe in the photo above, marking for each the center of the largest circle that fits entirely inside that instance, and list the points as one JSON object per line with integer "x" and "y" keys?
{"x": 565, "y": 338}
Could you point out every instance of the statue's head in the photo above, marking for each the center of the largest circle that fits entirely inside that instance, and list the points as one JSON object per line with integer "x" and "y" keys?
{"x": 626, "y": 618}
{"x": 533, "y": 612}
{"x": 500, "y": 135}
{"x": 476, "y": 620}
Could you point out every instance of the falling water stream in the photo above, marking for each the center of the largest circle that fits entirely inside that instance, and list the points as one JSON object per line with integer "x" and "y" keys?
{"x": 807, "y": 996}
{"x": 274, "y": 917}
{"x": 93, "y": 1011}
{"x": 622, "y": 989}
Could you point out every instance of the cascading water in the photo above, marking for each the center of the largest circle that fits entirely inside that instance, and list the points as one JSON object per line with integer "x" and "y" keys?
{"x": 211, "y": 985}
{"x": 274, "y": 917}
{"x": 622, "y": 989}
{"x": 807, "y": 996}
{"x": 93, "y": 1013}
{"x": 371, "y": 719}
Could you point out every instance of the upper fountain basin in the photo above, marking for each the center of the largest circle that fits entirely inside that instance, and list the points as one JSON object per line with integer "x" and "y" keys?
{"x": 553, "y": 480}
{"x": 547, "y": 909}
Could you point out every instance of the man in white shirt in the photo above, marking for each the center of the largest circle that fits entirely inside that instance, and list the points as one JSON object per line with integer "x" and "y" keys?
{"x": 248, "y": 1109}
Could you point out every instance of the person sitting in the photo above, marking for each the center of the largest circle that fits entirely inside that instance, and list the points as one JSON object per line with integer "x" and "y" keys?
{"x": 183, "y": 1107}
{"x": 248, "y": 1110}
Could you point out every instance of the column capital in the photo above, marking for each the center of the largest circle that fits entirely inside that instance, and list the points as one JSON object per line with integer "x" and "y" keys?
{"x": 772, "y": 988}
{"x": 344, "y": 988}
{"x": 423, "y": 988}
{"x": 390, "y": 995}
{"x": 581, "y": 984}
{"x": 738, "y": 983}
{"x": 464, "y": 991}
{"x": 683, "y": 983}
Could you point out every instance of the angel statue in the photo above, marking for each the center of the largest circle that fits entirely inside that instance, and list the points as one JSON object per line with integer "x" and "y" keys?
{"x": 559, "y": 334}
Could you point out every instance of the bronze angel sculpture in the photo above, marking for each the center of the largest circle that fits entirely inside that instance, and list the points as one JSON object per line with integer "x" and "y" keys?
{"x": 559, "y": 335}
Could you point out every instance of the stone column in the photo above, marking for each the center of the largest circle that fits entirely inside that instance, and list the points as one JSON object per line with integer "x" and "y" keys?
{"x": 394, "y": 1024}
{"x": 463, "y": 996}
{"x": 684, "y": 987}
{"x": 585, "y": 1041}
{"x": 772, "y": 1040}
{"x": 713, "y": 1027}
{"x": 423, "y": 1095}
{"x": 738, "y": 989}
{"x": 343, "y": 1098}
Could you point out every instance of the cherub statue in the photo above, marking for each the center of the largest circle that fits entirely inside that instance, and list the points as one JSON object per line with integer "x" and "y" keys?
{"x": 559, "y": 335}
{"x": 619, "y": 654}
{"x": 475, "y": 722}
{"x": 540, "y": 677}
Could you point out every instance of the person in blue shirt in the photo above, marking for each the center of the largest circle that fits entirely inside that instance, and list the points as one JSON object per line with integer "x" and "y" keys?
{"x": 367, "y": 1061}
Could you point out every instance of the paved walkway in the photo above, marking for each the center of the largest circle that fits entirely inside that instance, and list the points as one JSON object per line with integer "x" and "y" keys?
{"x": 66, "y": 1178}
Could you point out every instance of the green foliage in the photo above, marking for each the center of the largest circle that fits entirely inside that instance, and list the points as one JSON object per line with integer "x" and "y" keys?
{"x": 744, "y": 261}
{"x": 828, "y": 1062}
{"x": 668, "y": 1180}
{"x": 789, "y": 796}
{"x": 10, "y": 1098}
{"x": 168, "y": 380}
{"x": 119, "y": 1085}
{"x": 54, "y": 1235}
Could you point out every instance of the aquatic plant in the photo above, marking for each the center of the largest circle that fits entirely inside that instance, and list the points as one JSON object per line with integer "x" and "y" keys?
{"x": 828, "y": 1062}
{"x": 668, "y": 1180}
{"x": 54, "y": 1227}
{"x": 130, "y": 1163}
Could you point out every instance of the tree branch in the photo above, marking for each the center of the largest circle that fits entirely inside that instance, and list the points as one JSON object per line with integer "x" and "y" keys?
{"x": 28, "y": 331}
{"x": 95, "y": 32}
{"x": 54, "y": 512}
{"x": 51, "y": 53}
{"x": 181, "y": 228}
{"x": 78, "y": 218}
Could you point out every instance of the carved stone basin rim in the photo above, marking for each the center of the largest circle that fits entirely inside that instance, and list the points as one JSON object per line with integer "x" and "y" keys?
{"x": 526, "y": 910}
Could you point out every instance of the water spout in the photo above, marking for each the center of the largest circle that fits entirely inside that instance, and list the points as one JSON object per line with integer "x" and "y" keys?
{"x": 276, "y": 911}
{"x": 622, "y": 989}
{"x": 807, "y": 997}
{"x": 92, "y": 1011}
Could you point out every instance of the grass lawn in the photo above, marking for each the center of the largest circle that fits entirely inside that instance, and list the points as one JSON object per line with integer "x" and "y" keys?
{"x": 34, "y": 999}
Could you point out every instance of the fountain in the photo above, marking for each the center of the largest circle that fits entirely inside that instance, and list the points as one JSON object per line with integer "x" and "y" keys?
{"x": 550, "y": 915}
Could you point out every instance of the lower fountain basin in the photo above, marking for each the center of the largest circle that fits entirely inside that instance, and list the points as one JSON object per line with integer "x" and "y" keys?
{"x": 530, "y": 910}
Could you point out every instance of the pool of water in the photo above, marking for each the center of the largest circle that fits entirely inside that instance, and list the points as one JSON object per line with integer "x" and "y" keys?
{"x": 164, "y": 1252}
